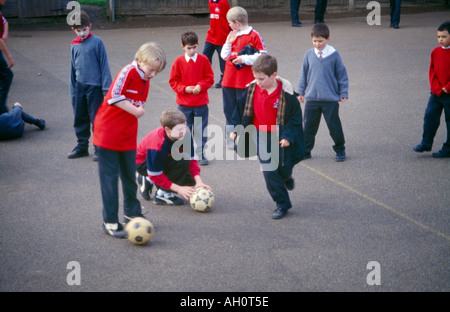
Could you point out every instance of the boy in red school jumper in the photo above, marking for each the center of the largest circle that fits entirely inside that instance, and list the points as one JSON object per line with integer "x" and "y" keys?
{"x": 217, "y": 33}
{"x": 191, "y": 76}
{"x": 439, "y": 100}
{"x": 115, "y": 135}
{"x": 238, "y": 66}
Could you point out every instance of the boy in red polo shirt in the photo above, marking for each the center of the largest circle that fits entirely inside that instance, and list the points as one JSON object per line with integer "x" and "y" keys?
{"x": 190, "y": 77}
{"x": 240, "y": 51}
{"x": 115, "y": 135}
{"x": 269, "y": 104}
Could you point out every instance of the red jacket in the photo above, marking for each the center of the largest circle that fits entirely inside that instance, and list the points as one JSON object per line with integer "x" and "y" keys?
{"x": 218, "y": 23}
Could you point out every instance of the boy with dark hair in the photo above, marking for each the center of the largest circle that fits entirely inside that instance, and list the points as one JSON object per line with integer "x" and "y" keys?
{"x": 90, "y": 78}
{"x": 157, "y": 159}
{"x": 323, "y": 83}
{"x": 191, "y": 76}
{"x": 269, "y": 105}
{"x": 439, "y": 76}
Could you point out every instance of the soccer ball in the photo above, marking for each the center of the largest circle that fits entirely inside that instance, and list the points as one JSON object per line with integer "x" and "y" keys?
{"x": 202, "y": 200}
{"x": 139, "y": 230}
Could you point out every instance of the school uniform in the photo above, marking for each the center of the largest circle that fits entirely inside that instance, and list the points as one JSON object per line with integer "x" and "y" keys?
{"x": 90, "y": 78}
{"x": 323, "y": 81}
{"x": 115, "y": 135}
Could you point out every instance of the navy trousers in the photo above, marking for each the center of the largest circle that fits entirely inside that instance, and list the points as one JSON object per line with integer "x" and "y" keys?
{"x": 208, "y": 51}
{"x": 275, "y": 179}
{"x": 6, "y": 77}
{"x": 432, "y": 120}
{"x": 395, "y": 6}
{"x": 111, "y": 166}
{"x": 330, "y": 112}
{"x": 85, "y": 102}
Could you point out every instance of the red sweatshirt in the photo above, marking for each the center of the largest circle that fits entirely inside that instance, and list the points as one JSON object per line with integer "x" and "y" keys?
{"x": 439, "y": 72}
{"x": 184, "y": 73}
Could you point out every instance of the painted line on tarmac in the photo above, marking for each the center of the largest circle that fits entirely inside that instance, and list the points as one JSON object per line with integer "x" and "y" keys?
{"x": 378, "y": 203}
{"x": 349, "y": 188}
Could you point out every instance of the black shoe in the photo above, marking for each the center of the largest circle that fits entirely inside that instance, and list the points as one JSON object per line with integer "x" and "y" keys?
{"x": 114, "y": 229}
{"x": 289, "y": 183}
{"x": 340, "y": 156}
{"x": 297, "y": 24}
{"x": 77, "y": 153}
{"x": 421, "y": 148}
{"x": 167, "y": 198}
{"x": 145, "y": 187}
{"x": 307, "y": 156}
{"x": 441, "y": 154}
{"x": 40, "y": 123}
{"x": 396, "y": 26}
{"x": 279, "y": 213}
{"x": 203, "y": 162}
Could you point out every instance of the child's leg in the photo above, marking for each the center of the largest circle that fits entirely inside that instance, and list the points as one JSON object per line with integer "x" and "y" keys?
{"x": 431, "y": 120}
{"x": 200, "y": 123}
{"x": 275, "y": 179}
{"x": 6, "y": 77}
{"x": 127, "y": 163}
{"x": 81, "y": 121}
{"x": 446, "y": 103}
{"x": 313, "y": 113}
{"x": 108, "y": 168}
{"x": 94, "y": 98}
{"x": 331, "y": 115}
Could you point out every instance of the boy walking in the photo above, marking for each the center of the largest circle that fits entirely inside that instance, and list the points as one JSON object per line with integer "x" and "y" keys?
{"x": 156, "y": 160}
{"x": 323, "y": 83}
{"x": 217, "y": 33}
{"x": 269, "y": 104}
{"x": 90, "y": 78}
{"x": 439, "y": 74}
{"x": 240, "y": 51}
{"x": 191, "y": 76}
{"x": 115, "y": 135}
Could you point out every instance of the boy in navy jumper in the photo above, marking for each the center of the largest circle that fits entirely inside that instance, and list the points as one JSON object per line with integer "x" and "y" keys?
{"x": 191, "y": 76}
{"x": 323, "y": 83}
{"x": 90, "y": 78}
{"x": 439, "y": 76}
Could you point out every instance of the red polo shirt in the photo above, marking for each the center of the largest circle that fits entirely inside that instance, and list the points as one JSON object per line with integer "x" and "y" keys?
{"x": 265, "y": 107}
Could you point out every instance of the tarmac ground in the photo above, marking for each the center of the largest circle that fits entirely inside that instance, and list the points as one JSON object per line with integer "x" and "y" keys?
{"x": 378, "y": 222}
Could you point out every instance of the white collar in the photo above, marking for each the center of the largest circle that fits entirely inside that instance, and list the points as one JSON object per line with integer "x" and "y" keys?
{"x": 245, "y": 32}
{"x": 194, "y": 58}
{"x": 327, "y": 51}
{"x": 445, "y": 48}
{"x": 140, "y": 72}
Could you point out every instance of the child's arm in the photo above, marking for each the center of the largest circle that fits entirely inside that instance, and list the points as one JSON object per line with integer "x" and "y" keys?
{"x": 5, "y": 51}
{"x": 5, "y": 30}
{"x": 130, "y": 108}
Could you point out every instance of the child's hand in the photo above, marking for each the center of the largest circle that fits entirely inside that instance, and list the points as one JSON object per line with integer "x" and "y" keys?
{"x": 185, "y": 191}
{"x": 284, "y": 143}
{"x": 197, "y": 89}
{"x": 237, "y": 60}
{"x": 232, "y": 36}
{"x": 189, "y": 89}
{"x": 301, "y": 99}
{"x": 343, "y": 100}
{"x": 232, "y": 135}
{"x": 445, "y": 90}
{"x": 139, "y": 112}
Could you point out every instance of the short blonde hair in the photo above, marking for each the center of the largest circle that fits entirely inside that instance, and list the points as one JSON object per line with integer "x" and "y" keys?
{"x": 150, "y": 52}
{"x": 239, "y": 14}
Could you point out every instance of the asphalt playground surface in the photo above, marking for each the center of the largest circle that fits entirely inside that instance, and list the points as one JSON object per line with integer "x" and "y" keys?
{"x": 386, "y": 203}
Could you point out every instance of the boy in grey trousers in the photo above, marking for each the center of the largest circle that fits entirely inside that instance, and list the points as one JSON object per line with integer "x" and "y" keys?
{"x": 323, "y": 83}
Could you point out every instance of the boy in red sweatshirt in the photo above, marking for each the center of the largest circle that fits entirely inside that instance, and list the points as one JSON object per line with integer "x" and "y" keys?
{"x": 439, "y": 75}
{"x": 191, "y": 76}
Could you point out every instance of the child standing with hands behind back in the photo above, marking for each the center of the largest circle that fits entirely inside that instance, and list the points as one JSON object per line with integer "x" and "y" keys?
{"x": 323, "y": 83}
{"x": 115, "y": 135}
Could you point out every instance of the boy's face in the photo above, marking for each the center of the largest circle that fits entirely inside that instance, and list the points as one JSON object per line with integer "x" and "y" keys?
{"x": 443, "y": 38}
{"x": 234, "y": 25}
{"x": 150, "y": 71}
{"x": 265, "y": 82}
{"x": 82, "y": 32}
{"x": 319, "y": 42}
{"x": 190, "y": 49}
{"x": 176, "y": 133}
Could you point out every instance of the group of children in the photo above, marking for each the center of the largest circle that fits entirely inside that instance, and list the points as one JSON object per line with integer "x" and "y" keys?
{"x": 253, "y": 95}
